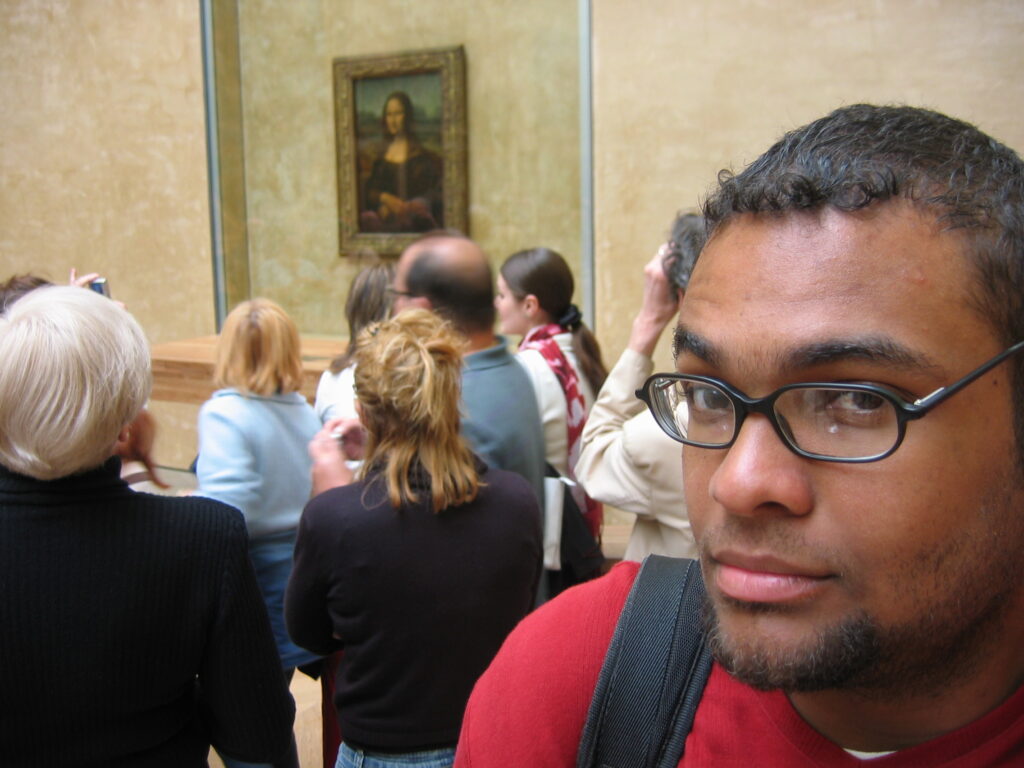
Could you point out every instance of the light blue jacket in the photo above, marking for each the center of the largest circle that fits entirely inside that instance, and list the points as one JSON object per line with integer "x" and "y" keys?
{"x": 253, "y": 456}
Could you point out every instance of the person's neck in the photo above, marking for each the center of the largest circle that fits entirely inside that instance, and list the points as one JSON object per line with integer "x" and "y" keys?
{"x": 879, "y": 720}
{"x": 479, "y": 340}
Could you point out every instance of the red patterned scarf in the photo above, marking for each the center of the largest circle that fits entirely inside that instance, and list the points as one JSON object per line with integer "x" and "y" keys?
{"x": 542, "y": 339}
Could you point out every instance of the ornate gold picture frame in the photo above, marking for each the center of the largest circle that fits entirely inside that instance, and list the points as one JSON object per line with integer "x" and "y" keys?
{"x": 400, "y": 125}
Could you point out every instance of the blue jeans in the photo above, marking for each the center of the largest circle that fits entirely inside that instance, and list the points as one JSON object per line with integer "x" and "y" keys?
{"x": 356, "y": 758}
{"x": 271, "y": 557}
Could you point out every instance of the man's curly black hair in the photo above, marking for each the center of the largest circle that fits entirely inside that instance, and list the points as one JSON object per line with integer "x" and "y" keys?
{"x": 864, "y": 155}
{"x": 684, "y": 245}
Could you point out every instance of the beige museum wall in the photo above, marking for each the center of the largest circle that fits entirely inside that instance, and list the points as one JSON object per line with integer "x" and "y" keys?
{"x": 102, "y": 149}
{"x": 103, "y": 162}
{"x": 523, "y": 125}
{"x": 103, "y": 153}
{"x": 682, "y": 89}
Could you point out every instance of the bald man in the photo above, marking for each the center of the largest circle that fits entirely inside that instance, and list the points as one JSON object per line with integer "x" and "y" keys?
{"x": 449, "y": 274}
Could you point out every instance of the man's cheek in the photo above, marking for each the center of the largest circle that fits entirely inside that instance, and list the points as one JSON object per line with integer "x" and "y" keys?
{"x": 698, "y": 469}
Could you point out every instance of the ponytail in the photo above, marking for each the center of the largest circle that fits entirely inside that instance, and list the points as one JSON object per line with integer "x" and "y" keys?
{"x": 588, "y": 353}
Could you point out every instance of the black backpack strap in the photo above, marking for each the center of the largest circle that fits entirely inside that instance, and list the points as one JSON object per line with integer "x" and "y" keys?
{"x": 654, "y": 673}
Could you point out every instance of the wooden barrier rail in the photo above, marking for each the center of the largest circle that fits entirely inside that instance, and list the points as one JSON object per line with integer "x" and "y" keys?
{"x": 183, "y": 370}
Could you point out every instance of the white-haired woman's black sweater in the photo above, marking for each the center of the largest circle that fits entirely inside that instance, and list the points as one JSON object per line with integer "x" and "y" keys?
{"x": 132, "y": 631}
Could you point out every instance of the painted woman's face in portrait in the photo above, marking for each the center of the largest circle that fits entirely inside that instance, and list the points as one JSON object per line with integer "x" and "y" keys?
{"x": 394, "y": 117}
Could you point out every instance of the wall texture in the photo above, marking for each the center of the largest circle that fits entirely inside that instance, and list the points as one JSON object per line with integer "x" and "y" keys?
{"x": 102, "y": 148}
{"x": 103, "y": 153}
{"x": 523, "y": 121}
{"x": 103, "y": 163}
{"x": 684, "y": 89}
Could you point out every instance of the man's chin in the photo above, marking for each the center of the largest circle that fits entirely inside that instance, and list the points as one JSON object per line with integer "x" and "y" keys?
{"x": 835, "y": 656}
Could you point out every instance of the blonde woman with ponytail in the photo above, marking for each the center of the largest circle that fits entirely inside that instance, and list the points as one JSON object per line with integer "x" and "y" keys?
{"x": 420, "y": 567}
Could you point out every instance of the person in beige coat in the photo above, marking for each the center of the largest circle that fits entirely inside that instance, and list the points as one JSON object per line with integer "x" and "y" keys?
{"x": 626, "y": 460}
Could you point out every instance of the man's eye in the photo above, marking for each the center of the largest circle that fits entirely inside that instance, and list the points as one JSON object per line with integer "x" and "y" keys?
{"x": 706, "y": 398}
{"x": 855, "y": 400}
{"x": 854, "y": 408}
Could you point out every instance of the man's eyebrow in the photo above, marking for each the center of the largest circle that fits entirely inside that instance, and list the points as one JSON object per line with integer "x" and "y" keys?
{"x": 684, "y": 340}
{"x": 872, "y": 349}
{"x": 875, "y": 349}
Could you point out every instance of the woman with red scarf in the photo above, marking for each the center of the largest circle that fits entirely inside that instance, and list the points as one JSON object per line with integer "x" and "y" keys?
{"x": 534, "y": 300}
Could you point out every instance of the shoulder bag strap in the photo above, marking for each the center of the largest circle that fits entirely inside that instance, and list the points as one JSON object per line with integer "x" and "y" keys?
{"x": 654, "y": 673}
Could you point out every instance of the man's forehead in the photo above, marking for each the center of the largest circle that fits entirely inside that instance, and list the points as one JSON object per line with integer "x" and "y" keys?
{"x": 799, "y": 279}
{"x": 799, "y": 255}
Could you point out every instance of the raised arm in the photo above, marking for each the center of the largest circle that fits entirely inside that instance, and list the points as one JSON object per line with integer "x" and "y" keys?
{"x": 609, "y": 467}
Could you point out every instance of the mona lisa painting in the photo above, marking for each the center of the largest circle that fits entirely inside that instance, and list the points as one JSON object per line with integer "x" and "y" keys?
{"x": 401, "y": 147}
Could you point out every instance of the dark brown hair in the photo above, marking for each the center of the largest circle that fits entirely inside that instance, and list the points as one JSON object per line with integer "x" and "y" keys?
{"x": 17, "y": 286}
{"x": 543, "y": 273}
{"x": 368, "y": 301}
{"x": 462, "y": 295}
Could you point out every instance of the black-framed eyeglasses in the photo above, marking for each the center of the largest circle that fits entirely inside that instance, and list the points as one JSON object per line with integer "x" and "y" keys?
{"x": 829, "y": 421}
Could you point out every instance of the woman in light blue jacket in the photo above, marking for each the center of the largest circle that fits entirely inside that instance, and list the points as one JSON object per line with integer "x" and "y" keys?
{"x": 253, "y": 438}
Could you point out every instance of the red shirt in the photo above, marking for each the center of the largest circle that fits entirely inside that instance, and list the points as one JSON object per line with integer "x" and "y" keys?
{"x": 528, "y": 709}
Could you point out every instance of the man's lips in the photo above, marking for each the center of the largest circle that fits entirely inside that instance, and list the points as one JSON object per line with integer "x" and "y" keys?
{"x": 765, "y": 580}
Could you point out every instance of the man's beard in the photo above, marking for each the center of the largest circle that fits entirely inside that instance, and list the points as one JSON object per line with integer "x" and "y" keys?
{"x": 832, "y": 659}
{"x": 941, "y": 640}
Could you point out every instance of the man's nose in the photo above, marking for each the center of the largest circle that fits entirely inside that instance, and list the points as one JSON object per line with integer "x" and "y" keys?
{"x": 759, "y": 473}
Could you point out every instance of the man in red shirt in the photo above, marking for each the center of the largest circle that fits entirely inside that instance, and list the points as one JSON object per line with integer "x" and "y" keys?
{"x": 850, "y": 398}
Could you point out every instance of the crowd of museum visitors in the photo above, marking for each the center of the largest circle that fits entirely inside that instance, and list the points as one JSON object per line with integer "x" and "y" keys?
{"x": 385, "y": 539}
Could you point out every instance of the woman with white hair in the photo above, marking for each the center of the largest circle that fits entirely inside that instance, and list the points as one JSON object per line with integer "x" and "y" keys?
{"x": 134, "y": 633}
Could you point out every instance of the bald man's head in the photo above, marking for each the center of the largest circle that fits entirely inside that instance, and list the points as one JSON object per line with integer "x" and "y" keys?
{"x": 453, "y": 274}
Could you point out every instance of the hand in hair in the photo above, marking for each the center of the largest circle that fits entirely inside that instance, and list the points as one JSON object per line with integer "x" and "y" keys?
{"x": 659, "y": 306}
{"x": 329, "y": 453}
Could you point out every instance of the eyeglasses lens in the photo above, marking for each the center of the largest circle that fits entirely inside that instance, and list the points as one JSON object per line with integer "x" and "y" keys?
{"x": 699, "y": 411}
{"x": 840, "y": 423}
{"x": 825, "y": 421}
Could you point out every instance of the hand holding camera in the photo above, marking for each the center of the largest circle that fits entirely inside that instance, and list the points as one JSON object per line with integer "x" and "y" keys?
{"x": 91, "y": 280}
